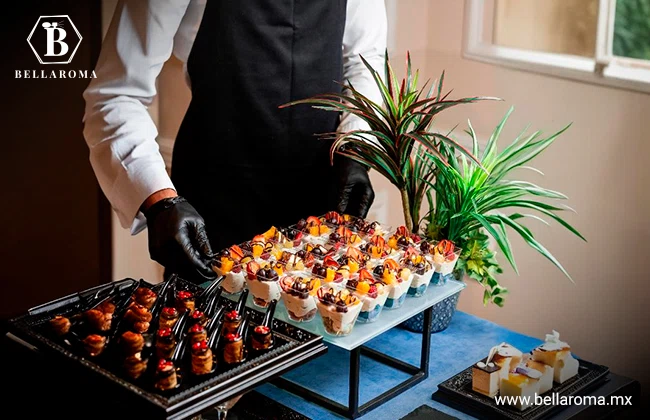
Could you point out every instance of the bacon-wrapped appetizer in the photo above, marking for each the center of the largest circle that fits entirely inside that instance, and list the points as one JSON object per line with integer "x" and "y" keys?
{"x": 201, "y": 358}
{"x": 231, "y": 321}
{"x": 197, "y": 333}
{"x": 233, "y": 349}
{"x": 134, "y": 366}
{"x": 197, "y": 317}
{"x": 94, "y": 344}
{"x": 60, "y": 325}
{"x": 185, "y": 301}
{"x": 107, "y": 307}
{"x": 139, "y": 317}
{"x": 165, "y": 375}
{"x": 165, "y": 343}
{"x": 262, "y": 336}
{"x": 145, "y": 297}
{"x": 168, "y": 317}
{"x": 98, "y": 320}
{"x": 131, "y": 343}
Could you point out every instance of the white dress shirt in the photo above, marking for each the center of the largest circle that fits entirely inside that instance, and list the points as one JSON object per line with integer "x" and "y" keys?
{"x": 143, "y": 34}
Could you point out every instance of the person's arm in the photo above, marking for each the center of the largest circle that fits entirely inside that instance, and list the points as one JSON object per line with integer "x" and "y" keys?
{"x": 118, "y": 129}
{"x": 365, "y": 35}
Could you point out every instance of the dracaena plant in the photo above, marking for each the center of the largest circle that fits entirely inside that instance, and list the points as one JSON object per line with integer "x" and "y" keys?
{"x": 473, "y": 199}
{"x": 396, "y": 125}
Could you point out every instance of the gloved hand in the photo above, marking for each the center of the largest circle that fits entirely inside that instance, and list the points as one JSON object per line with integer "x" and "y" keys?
{"x": 177, "y": 239}
{"x": 355, "y": 193}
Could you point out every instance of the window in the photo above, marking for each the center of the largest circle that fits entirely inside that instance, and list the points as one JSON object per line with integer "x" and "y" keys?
{"x": 598, "y": 41}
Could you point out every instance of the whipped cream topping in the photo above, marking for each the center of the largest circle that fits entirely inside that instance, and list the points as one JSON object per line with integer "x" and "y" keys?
{"x": 531, "y": 373}
{"x": 553, "y": 342}
{"x": 504, "y": 350}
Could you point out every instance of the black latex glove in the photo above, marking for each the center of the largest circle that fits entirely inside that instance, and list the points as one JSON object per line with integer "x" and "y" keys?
{"x": 355, "y": 193}
{"x": 178, "y": 241}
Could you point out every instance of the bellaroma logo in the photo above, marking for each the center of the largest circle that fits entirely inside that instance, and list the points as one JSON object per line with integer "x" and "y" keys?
{"x": 54, "y": 40}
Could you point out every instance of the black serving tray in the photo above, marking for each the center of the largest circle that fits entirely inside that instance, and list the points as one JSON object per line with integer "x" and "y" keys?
{"x": 294, "y": 347}
{"x": 457, "y": 392}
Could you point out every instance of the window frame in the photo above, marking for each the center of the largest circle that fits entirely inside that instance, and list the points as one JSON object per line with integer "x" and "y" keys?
{"x": 604, "y": 69}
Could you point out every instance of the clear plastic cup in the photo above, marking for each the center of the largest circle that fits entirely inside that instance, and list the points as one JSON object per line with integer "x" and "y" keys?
{"x": 298, "y": 296}
{"x": 397, "y": 279}
{"x": 422, "y": 272}
{"x": 373, "y": 296}
{"x": 339, "y": 310}
{"x": 263, "y": 284}
{"x": 443, "y": 256}
{"x": 401, "y": 239}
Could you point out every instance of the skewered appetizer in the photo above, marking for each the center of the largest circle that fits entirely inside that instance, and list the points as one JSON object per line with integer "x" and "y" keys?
{"x": 166, "y": 375}
{"x": 298, "y": 297}
{"x": 398, "y": 280}
{"x": 168, "y": 317}
{"x": 263, "y": 283}
{"x": 145, "y": 297}
{"x": 345, "y": 236}
{"x": 98, "y": 320}
{"x": 165, "y": 343}
{"x": 60, "y": 325}
{"x": 330, "y": 271}
{"x": 373, "y": 295}
{"x": 422, "y": 271}
{"x": 201, "y": 358}
{"x": 233, "y": 349}
{"x": 131, "y": 343}
{"x": 402, "y": 239}
{"x": 185, "y": 301}
{"x": 138, "y": 317}
{"x": 339, "y": 310}
{"x": 134, "y": 366}
{"x": 444, "y": 256}
{"x": 94, "y": 344}
{"x": 231, "y": 264}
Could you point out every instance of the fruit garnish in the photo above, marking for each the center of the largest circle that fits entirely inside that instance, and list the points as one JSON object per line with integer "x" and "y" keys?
{"x": 197, "y": 328}
{"x": 389, "y": 277}
{"x": 364, "y": 274}
{"x": 269, "y": 233}
{"x": 334, "y": 218}
{"x": 391, "y": 264}
{"x": 200, "y": 346}
{"x": 164, "y": 365}
{"x": 402, "y": 231}
{"x": 197, "y": 314}
{"x": 252, "y": 268}
{"x": 445, "y": 248}
{"x": 363, "y": 287}
{"x": 236, "y": 253}
{"x": 232, "y": 337}
{"x": 165, "y": 332}
{"x": 373, "y": 291}
{"x": 184, "y": 295}
{"x": 261, "y": 329}
{"x": 232, "y": 315}
{"x": 329, "y": 261}
{"x": 404, "y": 274}
{"x": 277, "y": 266}
{"x": 170, "y": 312}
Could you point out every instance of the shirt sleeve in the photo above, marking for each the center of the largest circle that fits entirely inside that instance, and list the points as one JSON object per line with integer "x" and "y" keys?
{"x": 118, "y": 129}
{"x": 365, "y": 35}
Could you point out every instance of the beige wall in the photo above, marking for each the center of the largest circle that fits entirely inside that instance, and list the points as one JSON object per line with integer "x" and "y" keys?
{"x": 601, "y": 164}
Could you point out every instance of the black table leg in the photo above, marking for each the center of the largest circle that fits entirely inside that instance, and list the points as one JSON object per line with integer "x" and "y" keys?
{"x": 426, "y": 342}
{"x": 353, "y": 396}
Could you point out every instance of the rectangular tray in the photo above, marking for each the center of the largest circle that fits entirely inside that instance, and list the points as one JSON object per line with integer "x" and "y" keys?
{"x": 296, "y": 347}
{"x": 457, "y": 392}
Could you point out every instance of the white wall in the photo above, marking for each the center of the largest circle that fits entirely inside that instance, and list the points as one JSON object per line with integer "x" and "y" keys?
{"x": 601, "y": 164}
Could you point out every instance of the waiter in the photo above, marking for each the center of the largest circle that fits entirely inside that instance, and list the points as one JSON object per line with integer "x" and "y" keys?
{"x": 240, "y": 164}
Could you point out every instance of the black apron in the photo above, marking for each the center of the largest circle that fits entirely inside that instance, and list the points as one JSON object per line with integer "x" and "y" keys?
{"x": 241, "y": 161}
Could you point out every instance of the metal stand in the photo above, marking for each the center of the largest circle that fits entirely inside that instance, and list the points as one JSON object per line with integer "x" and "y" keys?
{"x": 353, "y": 409}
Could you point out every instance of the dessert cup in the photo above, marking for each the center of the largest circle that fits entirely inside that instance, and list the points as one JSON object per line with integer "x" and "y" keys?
{"x": 330, "y": 272}
{"x": 298, "y": 297}
{"x": 315, "y": 230}
{"x": 263, "y": 283}
{"x": 372, "y": 294}
{"x": 422, "y": 272}
{"x": 338, "y": 309}
{"x": 397, "y": 279}
{"x": 401, "y": 239}
{"x": 443, "y": 256}
{"x": 285, "y": 238}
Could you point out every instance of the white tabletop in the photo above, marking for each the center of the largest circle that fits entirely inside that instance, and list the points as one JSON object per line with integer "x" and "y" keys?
{"x": 387, "y": 319}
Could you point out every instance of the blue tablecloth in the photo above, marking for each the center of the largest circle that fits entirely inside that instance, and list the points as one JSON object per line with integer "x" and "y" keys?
{"x": 467, "y": 340}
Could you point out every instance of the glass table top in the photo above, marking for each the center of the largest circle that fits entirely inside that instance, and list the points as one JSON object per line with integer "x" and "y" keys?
{"x": 365, "y": 332}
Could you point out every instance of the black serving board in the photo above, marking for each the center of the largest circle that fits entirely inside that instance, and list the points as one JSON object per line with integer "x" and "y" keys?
{"x": 457, "y": 392}
{"x": 294, "y": 347}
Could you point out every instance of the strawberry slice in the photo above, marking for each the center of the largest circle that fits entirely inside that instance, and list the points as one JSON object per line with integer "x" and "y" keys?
{"x": 391, "y": 264}
{"x": 236, "y": 253}
{"x": 251, "y": 269}
{"x": 364, "y": 274}
{"x": 259, "y": 238}
{"x": 329, "y": 261}
{"x": 313, "y": 221}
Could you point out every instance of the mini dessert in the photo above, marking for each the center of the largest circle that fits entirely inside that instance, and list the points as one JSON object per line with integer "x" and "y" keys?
{"x": 335, "y": 219}
{"x": 398, "y": 280}
{"x": 185, "y": 301}
{"x": 444, "y": 256}
{"x": 402, "y": 239}
{"x": 523, "y": 384}
{"x": 285, "y": 238}
{"x": 197, "y": 333}
{"x": 319, "y": 251}
{"x": 231, "y": 264}
{"x": 376, "y": 248}
{"x": 263, "y": 284}
{"x": 368, "y": 228}
{"x": 307, "y": 258}
{"x": 485, "y": 378}
{"x": 60, "y": 325}
{"x": 197, "y": 317}
{"x": 506, "y": 357}
{"x": 546, "y": 380}
{"x": 94, "y": 344}
{"x": 168, "y": 317}
{"x": 145, "y": 297}
{"x": 373, "y": 295}
{"x": 131, "y": 343}
{"x": 260, "y": 247}
{"x": 262, "y": 335}
{"x": 165, "y": 376}
{"x": 298, "y": 297}
{"x": 291, "y": 262}
{"x": 421, "y": 269}
{"x": 233, "y": 349}
{"x": 231, "y": 322}
{"x": 165, "y": 343}
{"x": 139, "y": 317}
{"x": 345, "y": 236}
{"x": 98, "y": 320}
{"x": 354, "y": 259}
{"x": 330, "y": 272}
{"x": 107, "y": 307}
{"x": 316, "y": 229}
{"x": 134, "y": 366}
{"x": 201, "y": 358}
{"x": 339, "y": 310}
{"x": 557, "y": 354}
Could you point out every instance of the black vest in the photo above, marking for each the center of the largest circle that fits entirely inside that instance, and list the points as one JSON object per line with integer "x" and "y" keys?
{"x": 241, "y": 161}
